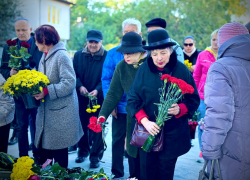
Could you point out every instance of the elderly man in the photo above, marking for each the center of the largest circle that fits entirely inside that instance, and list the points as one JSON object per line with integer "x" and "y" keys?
{"x": 88, "y": 67}
{"x": 190, "y": 52}
{"x": 119, "y": 121}
{"x": 23, "y": 115}
{"x": 158, "y": 23}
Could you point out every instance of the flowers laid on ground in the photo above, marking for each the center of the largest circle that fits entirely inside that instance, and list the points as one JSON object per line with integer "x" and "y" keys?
{"x": 92, "y": 103}
{"x": 17, "y": 55}
{"x": 22, "y": 168}
{"x": 95, "y": 124}
{"x": 188, "y": 64}
{"x": 25, "y": 82}
{"x": 175, "y": 91}
{"x": 57, "y": 172}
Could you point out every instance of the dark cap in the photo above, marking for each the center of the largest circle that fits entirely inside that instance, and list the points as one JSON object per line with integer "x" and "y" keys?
{"x": 94, "y": 35}
{"x": 156, "y": 22}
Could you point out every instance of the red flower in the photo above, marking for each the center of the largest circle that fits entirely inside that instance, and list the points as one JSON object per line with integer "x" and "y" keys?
{"x": 190, "y": 123}
{"x": 92, "y": 126}
{"x": 25, "y": 44}
{"x": 101, "y": 119}
{"x": 90, "y": 179}
{"x": 98, "y": 128}
{"x": 93, "y": 120}
{"x": 165, "y": 76}
{"x": 14, "y": 43}
{"x": 9, "y": 42}
{"x": 195, "y": 123}
{"x": 174, "y": 80}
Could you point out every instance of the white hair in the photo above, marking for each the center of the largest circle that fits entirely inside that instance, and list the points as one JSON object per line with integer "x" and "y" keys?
{"x": 132, "y": 21}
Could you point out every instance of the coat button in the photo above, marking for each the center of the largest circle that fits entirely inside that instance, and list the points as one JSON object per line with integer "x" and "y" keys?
{"x": 160, "y": 74}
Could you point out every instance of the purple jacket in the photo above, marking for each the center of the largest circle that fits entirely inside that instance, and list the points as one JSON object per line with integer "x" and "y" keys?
{"x": 227, "y": 122}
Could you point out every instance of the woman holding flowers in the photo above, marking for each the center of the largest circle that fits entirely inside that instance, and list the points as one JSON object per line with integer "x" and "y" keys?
{"x": 57, "y": 124}
{"x": 134, "y": 56}
{"x": 205, "y": 59}
{"x": 143, "y": 96}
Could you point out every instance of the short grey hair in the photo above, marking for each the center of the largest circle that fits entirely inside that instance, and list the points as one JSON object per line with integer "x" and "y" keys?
{"x": 132, "y": 21}
{"x": 214, "y": 32}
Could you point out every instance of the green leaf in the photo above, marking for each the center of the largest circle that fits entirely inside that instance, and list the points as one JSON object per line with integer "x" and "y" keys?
{"x": 75, "y": 175}
{"x": 36, "y": 170}
{"x": 101, "y": 171}
{"x": 56, "y": 168}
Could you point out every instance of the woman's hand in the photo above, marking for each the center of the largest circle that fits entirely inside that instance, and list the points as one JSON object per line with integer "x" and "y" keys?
{"x": 39, "y": 96}
{"x": 151, "y": 127}
{"x": 175, "y": 110}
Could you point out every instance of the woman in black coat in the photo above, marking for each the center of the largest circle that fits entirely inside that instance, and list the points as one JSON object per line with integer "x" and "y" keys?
{"x": 140, "y": 104}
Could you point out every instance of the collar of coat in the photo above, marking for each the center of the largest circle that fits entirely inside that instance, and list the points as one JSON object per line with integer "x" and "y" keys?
{"x": 98, "y": 53}
{"x": 169, "y": 67}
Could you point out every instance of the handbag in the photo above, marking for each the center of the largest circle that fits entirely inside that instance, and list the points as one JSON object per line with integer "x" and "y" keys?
{"x": 140, "y": 135}
{"x": 204, "y": 176}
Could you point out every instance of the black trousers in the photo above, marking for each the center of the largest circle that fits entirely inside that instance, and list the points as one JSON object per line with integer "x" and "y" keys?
{"x": 154, "y": 166}
{"x": 134, "y": 167}
{"x": 4, "y": 137}
{"x": 60, "y": 156}
{"x": 118, "y": 140}
{"x": 84, "y": 145}
{"x": 23, "y": 116}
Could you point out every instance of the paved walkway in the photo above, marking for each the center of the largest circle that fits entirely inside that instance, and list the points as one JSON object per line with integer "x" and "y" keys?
{"x": 186, "y": 168}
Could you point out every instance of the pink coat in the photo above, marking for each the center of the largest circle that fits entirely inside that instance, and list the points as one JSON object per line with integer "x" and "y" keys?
{"x": 204, "y": 61}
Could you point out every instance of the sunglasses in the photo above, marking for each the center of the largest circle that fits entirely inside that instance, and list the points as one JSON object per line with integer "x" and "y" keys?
{"x": 186, "y": 44}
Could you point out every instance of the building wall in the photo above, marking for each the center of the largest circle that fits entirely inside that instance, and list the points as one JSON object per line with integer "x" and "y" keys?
{"x": 52, "y": 12}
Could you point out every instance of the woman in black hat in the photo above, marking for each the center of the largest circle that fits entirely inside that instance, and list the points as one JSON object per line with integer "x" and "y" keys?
{"x": 134, "y": 56}
{"x": 141, "y": 100}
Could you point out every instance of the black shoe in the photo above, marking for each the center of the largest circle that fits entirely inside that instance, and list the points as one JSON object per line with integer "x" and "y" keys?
{"x": 72, "y": 149}
{"x": 94, "y": 164}
{"x": 80, "y": 159}
{"x": 30, "y": 146}
{"x": 12, "y": 141}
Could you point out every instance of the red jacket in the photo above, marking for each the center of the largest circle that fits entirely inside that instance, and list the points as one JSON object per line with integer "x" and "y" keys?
{"x": 205, "y": 59}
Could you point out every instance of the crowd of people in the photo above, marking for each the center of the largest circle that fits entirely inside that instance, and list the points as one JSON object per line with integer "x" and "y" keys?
{"x": 126, "y": 82}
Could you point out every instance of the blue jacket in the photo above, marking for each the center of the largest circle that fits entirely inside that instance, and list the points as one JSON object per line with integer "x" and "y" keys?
{"x": 112, "y": 59}
{"x": 177, "y": 48}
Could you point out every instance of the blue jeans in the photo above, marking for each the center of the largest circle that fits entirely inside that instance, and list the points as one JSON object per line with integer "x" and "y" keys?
{"x": 202, "y": 111}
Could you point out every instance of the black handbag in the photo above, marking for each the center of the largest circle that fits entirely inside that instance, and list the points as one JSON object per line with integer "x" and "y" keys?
{"x": 203, "y": 175}
{"x": 140, "y": 135}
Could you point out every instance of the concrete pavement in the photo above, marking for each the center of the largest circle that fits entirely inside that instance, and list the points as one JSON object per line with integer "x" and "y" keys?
{"x": 186, "y": 168}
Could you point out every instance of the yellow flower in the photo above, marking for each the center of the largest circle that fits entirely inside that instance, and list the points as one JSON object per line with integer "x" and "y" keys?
{"x": 93, "y": 110}
{"x": 42, "y": 100}
{"x": 88, "y": 110}
{"x": 97, "y": 106}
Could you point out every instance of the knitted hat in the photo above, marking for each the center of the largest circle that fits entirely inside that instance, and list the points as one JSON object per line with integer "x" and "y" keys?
{"x": 230, "y": 30}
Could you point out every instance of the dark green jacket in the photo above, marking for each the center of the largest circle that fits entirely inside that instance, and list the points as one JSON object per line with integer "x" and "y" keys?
{"x": 121, "y": 81}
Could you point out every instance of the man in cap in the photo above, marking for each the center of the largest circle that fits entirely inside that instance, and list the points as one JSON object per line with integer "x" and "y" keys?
{"x": 24, "y": 117}
{"x": 88, "y": 64}
{"x": 158, "y": 23}
{"x": 119, "y": 115}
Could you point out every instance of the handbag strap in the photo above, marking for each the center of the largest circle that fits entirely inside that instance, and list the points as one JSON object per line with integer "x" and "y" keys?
{"x": 212, "y": 169}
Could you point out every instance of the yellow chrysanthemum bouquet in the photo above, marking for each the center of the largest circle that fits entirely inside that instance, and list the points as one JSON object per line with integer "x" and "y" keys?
{"x": 24, "y": 84}
{"x": 188, "y": 64}
{"x": 22, "y": 169}
{"x": 92, "y": 103}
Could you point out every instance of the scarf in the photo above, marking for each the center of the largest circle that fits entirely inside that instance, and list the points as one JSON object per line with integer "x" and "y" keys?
{"x": 191, "y": 53}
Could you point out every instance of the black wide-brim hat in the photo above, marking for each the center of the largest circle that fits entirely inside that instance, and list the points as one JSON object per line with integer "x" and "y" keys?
{"x": 131, "y": 43}
{"x": 158, "y": 39}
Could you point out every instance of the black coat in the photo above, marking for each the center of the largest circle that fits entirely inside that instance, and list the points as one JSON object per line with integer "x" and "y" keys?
{"x": 193, "y": 58}
{"x": 144, "y": 93}
{"x": 34, "y": 59}
{"x": 88, "y": 71}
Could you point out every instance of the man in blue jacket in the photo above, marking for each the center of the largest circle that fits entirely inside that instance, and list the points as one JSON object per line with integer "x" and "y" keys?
{"x": 119, "y": 114}
{"x": 158, "y": 23}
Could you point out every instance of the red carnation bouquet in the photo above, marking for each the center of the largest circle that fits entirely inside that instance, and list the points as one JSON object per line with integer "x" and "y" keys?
{"x": 168, "y": 96}
{"x": 17, "y": 55}
{"x": 95, "y": 124}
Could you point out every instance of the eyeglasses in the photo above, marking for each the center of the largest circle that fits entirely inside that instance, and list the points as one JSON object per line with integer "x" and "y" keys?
{"x": 190, "y": 44}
